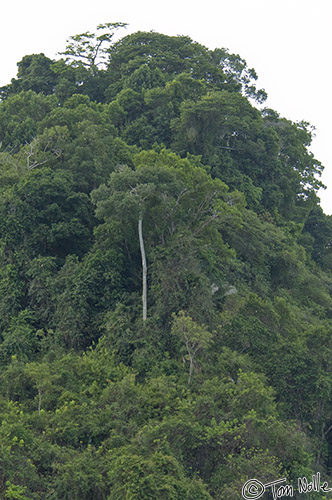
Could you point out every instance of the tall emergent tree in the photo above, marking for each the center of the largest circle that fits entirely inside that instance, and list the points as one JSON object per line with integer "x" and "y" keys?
{"x": 90, "y": 50}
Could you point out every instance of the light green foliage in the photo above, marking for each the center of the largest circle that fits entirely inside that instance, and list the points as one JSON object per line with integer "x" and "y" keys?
{"x": 156, "y": 476}
{"x": 14, "y": 492}
{"x": 194, "y": 337}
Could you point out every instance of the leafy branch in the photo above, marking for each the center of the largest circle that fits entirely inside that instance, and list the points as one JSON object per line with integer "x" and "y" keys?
{"x": 91, "y": 49}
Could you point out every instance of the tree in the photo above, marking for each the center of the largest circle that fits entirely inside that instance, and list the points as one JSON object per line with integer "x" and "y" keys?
{"x": 147, "y": 476}
{"x": 43, "y": 379}
{"x": 35, "y": 73}
{"x": 15, "y": 492}
{"x": 20, "y": 115}
{"x": 175, "y": 55}
{"x": 195, "y": 337}
{"x": 318, "y": 227}
{"x": 144, "y": 268}
{"x": 135, "y": 197}
{"x": 20, "y": 340}
{"x": 237, "y": 72}
{"x": 88, "y": 49}
{"x": 220, "y": 126}
{"x": 181, "y": 206}
{"x": 42, "y": 214}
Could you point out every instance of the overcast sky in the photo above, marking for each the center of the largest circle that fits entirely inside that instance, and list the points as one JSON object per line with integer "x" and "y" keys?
{"x": 288, "y": 42}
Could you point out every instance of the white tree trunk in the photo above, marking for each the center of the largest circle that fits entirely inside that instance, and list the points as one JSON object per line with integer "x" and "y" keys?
{"x": 190, "y": 368}
{"x": 144, "y": 267}
{"x": 39, "y": 400}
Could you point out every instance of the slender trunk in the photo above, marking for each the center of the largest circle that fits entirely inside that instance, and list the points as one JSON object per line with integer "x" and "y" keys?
{"x": 141, "y": 244}
{"x": 39, "y": 400}
{"x": 190, "y": 368}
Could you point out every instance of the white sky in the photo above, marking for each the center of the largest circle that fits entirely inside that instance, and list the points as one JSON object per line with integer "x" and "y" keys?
{"x": 288, "y": 42}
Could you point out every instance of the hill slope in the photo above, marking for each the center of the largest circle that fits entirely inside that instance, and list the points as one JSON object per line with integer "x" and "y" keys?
{"x": 155, "y": 141}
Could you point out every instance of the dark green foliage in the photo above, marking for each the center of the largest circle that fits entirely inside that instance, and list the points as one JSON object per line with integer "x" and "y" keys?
{"x": 43, "y": 215}
{"x": 35, "y": 73}
{"x": 317, "y": 236}
{"x": 20, "y": 115}
{"x": 229, "y": 376}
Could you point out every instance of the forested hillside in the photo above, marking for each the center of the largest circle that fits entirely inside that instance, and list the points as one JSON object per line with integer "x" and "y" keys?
{"x": 165, "y": 278}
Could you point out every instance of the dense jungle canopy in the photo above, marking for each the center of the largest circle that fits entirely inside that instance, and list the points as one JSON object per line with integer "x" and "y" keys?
{"x": 155, "y": 146}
